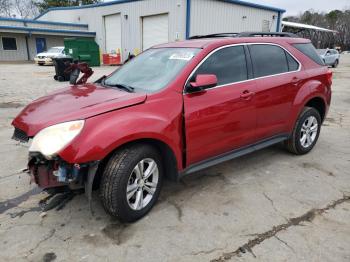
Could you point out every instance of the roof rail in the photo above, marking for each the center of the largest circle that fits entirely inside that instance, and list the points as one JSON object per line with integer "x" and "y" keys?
{"x": 270, "y": 34}
{"x": 215, "y": 35}
{"x": 246, "y": 34}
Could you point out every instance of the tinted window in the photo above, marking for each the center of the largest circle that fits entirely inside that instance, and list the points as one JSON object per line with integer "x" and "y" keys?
{"x": 268, "y": 60}
{"x": 292, "y": 64}
{"x": 9, "y": 43}
{"x": 228, "y": 64}
{"x": 310, "y": 51}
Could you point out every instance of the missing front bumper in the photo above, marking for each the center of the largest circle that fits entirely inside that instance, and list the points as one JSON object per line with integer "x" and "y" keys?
{"x": 57, "y": 173}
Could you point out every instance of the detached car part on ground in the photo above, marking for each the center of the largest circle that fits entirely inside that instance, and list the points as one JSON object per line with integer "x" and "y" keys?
{"x": 173, "y": 110}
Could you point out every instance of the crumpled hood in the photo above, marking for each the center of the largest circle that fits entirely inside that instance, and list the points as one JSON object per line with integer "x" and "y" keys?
{"x": 73, "y": 103}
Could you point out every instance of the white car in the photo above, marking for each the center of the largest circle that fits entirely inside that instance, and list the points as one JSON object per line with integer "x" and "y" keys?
{"x": 329, "y": 56}
{"x": 45, "y": 58}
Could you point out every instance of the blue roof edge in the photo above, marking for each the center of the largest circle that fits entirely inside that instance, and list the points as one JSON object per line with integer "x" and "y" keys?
{"x": 33, "y": 29}
{"x": 115, "y": 2}
{"x": 41, "y": 22}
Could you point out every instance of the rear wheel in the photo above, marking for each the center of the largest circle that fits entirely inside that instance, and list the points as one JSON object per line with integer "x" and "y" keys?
{"x": 335, "y": 64}
{"x": 131, "y": 182}
{"x": 305, "y": 133}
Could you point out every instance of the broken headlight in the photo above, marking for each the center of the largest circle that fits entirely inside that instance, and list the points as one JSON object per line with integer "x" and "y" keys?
{"x": 52, "y": 139}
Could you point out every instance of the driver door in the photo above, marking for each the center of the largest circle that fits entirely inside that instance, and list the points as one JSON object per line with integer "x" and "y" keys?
{"x": 222, "y": 118}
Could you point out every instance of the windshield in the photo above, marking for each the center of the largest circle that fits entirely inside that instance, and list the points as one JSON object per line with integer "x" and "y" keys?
{"x": 55, "y": 50}
{"x": 153, "y": 69}
{"x": 321, "y": 51}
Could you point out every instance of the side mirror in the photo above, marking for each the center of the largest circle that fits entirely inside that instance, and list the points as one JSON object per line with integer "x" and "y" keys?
{"x": 202, "y": 82}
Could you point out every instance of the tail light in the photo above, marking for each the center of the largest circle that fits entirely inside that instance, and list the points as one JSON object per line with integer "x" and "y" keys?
{"x": 329, "y": 76}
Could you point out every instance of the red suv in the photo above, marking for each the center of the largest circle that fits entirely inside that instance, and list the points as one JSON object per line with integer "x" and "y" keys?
{"x": 173, "y": 110}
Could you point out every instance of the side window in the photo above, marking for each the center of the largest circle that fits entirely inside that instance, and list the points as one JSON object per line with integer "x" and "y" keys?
{"x": 228, "y": 64}
{"x": 292, "y": 64}
{"x": 268, "y": 60}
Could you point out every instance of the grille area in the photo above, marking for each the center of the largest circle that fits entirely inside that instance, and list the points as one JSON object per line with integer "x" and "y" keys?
{"x": 20, "y": 135}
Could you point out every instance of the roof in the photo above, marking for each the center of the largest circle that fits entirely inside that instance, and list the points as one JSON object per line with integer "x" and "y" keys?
{"x": 306, "y": 26}
{"x": 30, "y": 30}
{"x": 30, "y": 26}
{"x": 42, "y": 22}
{"x": 220, "y": 41}
{"x": 116, "y": 2}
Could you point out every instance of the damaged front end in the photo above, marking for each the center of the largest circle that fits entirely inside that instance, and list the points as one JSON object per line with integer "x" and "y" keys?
{"x": 53, "y": 174}
{"x": 56, "y": 172}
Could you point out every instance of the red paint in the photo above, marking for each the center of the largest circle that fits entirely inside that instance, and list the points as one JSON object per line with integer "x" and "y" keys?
{"x": 198, "y": 125}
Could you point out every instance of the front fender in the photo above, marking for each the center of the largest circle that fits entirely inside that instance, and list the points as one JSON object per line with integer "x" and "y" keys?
{"x": 104, "y": 133}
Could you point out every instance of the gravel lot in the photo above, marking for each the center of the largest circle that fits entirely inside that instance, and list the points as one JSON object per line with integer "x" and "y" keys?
{"x": 266, "y": 206}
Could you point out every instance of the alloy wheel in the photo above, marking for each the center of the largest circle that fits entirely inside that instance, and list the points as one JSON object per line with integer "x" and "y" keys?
{"x": 308, "y": 131}
{"x": 142, "y": 184}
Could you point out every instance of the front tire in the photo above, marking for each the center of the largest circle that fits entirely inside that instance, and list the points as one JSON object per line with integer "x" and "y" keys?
{"x": 305, "y": 133}
{"x": 131, "y": 182}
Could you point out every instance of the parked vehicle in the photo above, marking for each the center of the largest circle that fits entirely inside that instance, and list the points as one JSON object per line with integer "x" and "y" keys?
{"x": 46, "y": 58}
{"x": 329, "y": 56}
{"x": 173, "y": 110}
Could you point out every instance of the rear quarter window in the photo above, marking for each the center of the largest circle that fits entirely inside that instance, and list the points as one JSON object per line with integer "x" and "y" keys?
{"x": 309, "y": 50}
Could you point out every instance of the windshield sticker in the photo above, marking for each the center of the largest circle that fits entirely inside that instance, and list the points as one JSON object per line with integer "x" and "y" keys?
{"x": 183, "y": 56}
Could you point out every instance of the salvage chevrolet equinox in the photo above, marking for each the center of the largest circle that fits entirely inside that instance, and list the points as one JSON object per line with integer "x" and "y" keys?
{"x": 173, "y": 110}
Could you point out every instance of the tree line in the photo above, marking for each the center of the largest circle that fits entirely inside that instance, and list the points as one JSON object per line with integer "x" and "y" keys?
{"x": 338, "y": 20}
{"x": 31, "y": 8}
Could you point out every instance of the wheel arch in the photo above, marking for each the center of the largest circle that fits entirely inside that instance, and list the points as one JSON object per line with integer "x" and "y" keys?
{"x": 168, "y": 156}
{"x": 319, "y": 104}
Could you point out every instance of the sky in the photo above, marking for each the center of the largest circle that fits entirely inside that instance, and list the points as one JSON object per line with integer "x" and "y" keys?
{"x": 294, "y": 7}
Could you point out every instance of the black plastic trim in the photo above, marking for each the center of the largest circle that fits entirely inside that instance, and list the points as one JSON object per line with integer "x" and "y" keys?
{"x": 233, "y": 154}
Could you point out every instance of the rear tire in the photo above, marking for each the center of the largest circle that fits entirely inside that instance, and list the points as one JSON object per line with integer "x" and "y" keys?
{"x": 305, "y": 133}
{"x": 335, "y": 64}
{"x": 123, "y": 186}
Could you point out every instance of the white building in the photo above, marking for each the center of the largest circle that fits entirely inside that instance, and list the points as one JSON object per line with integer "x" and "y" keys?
{"x": 130, "y": 26}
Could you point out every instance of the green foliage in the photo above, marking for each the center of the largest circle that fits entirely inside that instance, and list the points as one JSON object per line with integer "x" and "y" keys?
{"x": 46, "y": 4}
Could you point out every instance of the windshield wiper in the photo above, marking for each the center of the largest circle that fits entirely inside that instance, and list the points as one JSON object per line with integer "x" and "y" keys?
{"x": 125, "y": 87}
{"x": 120, "y": 86}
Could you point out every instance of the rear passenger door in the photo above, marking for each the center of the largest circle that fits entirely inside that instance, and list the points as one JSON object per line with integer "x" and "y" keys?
{"x": 221, "y": 118}
{"x": 278, "y": 79}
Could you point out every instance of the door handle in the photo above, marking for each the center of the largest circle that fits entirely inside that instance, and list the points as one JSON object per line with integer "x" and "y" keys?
{"x": 247, "y": 94}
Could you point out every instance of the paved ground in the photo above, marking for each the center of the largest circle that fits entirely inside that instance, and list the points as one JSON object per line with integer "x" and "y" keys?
{"x": 267, "y": 206}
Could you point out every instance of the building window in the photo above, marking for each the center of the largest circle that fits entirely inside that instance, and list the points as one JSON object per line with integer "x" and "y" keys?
{"x": 9, "y": 43}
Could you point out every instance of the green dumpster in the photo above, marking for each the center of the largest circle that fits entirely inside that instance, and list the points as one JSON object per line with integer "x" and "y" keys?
{"x": 83, "y": 50}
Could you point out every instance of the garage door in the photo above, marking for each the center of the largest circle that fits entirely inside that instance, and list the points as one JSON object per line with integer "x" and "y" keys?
{"x": 113, "y": 33}
{"x": 155, "y": 30}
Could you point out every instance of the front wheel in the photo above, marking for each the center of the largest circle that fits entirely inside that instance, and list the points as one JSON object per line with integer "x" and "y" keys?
{"x": 305, "y": 133}
{"x": 131, "y": 182}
